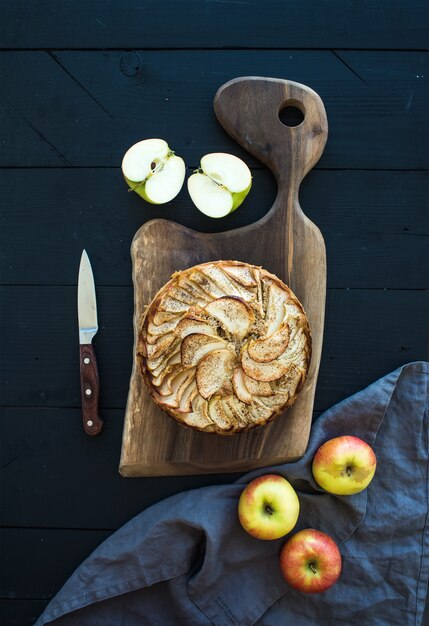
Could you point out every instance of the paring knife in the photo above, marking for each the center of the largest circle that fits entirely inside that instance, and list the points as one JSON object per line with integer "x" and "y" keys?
{"x": 88, "y": 327}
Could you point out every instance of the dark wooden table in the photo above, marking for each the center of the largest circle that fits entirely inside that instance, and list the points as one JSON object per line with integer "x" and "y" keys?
{"x": 82, "y": 81}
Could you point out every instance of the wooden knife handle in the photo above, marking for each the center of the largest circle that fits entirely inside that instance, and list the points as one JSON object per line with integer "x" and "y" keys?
{"x": 90, "y": 388}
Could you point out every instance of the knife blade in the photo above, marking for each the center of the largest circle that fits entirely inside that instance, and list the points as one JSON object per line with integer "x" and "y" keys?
{"x": 88, "y": 327}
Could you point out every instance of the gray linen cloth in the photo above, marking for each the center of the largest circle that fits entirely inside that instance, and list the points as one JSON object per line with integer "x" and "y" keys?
{"x": 187, "y": 561}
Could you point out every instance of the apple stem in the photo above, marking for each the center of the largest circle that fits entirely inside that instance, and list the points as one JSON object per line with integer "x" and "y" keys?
{"x": 348, "y": 470}
{"x": 313, "y": 568}
{"x": 269, "y": 510}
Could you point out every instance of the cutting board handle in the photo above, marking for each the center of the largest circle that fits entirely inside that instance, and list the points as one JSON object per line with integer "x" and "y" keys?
{"x": 248, "y": 108}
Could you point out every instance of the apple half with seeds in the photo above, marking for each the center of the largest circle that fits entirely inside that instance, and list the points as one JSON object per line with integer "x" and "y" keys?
{"x": 224, "y": 347}
{"x": 153, "y": 171}
{"x": 220, "y": 185}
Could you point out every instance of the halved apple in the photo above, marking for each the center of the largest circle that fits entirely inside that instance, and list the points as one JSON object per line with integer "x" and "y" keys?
{"x": 240, "y": 388}
{"x": 235, "y": 315}
{"x": 265, "y": 350}
{"x": 194, "y": 347}
{"x": 153, "y": 171}
{"x": 220, "y": 185}
{"x": 212, "y": 372}
{"x": 262, "y": 371}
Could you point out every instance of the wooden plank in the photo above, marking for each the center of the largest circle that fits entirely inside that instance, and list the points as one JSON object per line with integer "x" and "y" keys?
{"x": 38, "y": 561}
{"x": 86, "y": 108}
{"x": 214, "y": 24}
{"x": 374, "y": 224}
{"x": 20, "y": 612}
{"x": 49, "y": 445}
{"x": 368, "y": 332}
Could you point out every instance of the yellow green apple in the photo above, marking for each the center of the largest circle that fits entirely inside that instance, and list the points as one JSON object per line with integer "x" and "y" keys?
{"x": 344, "y": 465}
{"x": 153, "y": 171}
{"x": 220, "y": 185}
{"x": 268, "y": 507}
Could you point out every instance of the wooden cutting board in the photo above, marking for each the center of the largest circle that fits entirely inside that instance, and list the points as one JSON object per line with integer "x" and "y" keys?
{"x": 284, "y": 241}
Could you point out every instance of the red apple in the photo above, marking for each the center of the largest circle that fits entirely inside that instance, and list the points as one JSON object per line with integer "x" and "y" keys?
{"x": 268, "y": 507}
{"x": 344, "y": 465}
{"x": 310, "y": 561}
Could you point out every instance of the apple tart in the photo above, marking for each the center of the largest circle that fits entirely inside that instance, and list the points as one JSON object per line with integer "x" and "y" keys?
{"x": 224, "y": 347}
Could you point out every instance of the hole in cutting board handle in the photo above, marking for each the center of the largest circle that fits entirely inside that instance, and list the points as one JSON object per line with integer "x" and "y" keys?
{"x": 292, "y": 113}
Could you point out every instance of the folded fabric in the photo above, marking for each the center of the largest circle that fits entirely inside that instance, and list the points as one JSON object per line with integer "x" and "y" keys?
{"x": 187, "y": 560}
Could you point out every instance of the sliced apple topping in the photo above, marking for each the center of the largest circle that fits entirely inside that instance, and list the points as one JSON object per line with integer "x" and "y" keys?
{"x": 159, "y": 378}
{"x": 273, "y": 402}
{"x": 175, "y": 377}
{"x": 275, "y": 307}
{"x": 207, "y": 285}
{"x": 296, "y": 350}
{"x": 212, "y": 372}
{"x": 241, "y": 410}
{"x": 157, "y": 365}
{"x": 185, "y": 404}
{"x": 194, "y": 347}
{"x": 260, "y": 414}
{"x": 156, "y": 350}
{"x": 154, "y": 331}
{"x": 171, "y": 305}
{"x": 178, "y": 385}
{"x": 198, "y": 294}
{"x": 290, "y": 381}
{"x": 228, "y": 286}
{"x": 257, "y": 387}
{"x": 241, "y": 274}
{"x": 220, "y": 185}
{"x": 265, "y": 350}
{"x": 153, "y": 171}
{"x": 182, "y": 295}
{"x": 262, "y": 371}
{"x": 161, "y": 317}
{"x": 240, "y": 388}
{"x": 191, "y": 324}
{"x": 217, "y": 414}
{"x": 234, "y": 315}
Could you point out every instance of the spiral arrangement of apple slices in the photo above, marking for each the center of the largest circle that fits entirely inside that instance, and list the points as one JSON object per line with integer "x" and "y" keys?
{"x": 224, "y": 347}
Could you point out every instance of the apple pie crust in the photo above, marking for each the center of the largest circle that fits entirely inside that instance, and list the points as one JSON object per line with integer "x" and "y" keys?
{"x": 224, "y": 347}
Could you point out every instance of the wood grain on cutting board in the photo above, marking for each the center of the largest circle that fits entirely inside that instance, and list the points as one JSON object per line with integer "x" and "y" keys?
{"x": 284, "y": 241}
